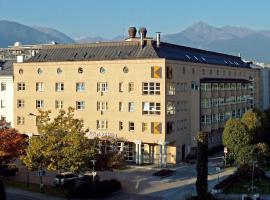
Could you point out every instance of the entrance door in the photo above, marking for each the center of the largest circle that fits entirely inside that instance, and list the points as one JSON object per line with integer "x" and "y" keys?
{"x": 183, "y": 151}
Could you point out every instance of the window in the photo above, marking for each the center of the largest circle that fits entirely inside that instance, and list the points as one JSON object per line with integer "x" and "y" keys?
{"x": 169, "y": 127}
{"x": 121, "y": 106}
{"x": 59, "y": 87}
{"x": 183, "y": 70}
{"x": 144, "y": 127}
{"x": 102, "y": 106}
{"x": 39, "y": 103}
{"x": 101, "y": 124}
{"x": 59, "y": 104}
{"x": 80, "y": 70}
{"x": 203, "y": 71}
{"x": 59, "y": 70}
{"x": 121, "y": 87}
{"x": 131, "y": 126}
{"x": 131, "y": 106}
{"x": 170, "y": 88}
{"x": 20, "y": 120}
{"x": 80, "y": 105}
{"x": 102, "y": 87}
{"x": 193, "y": 71}
{"x": 3, "y": 117}
{"x": 39, "y": 87}
{"x": 3, "y": 86}
{"x": 20, "y": 86}
{"x": 151, "y": 88}
{"x": 3, "y": 104}
{"x": 80, "y": 87}
{"x": 170, "y": 108}
{"x": 120, "y": 125}
{"x": 39, "y": 71}
{"x": 20, "y": 103}
{"x": 169, "y": 73}
{"x": 151, "y": 108}
{"x": 131, "y": 87}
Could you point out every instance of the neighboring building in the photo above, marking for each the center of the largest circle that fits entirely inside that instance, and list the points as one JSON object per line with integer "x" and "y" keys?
{"x": 264, "y": 84}
{"x": 156, "y": 95}
{"x": 27, "y": 51}
{"x": 6, "y": 91}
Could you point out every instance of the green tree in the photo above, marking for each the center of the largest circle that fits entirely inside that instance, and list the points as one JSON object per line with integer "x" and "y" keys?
{"x": 245, "y": 155}
{"x": 202, "y": 165}
{"x": 252, "y": 120}
{"x": 62, "y": 144}
{"x": 236, "y": 136}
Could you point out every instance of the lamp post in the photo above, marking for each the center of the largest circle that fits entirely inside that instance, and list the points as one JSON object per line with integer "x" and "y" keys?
{"x": 252, "y": 179}
{"x": 93, "y": 173}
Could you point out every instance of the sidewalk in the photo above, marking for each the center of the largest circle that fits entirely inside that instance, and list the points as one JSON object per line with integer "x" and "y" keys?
{"x": 33, "y": 195}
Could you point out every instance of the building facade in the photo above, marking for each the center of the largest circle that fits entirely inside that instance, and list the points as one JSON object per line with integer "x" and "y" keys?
{"x": 155, "y": 96}
{"x": 6, "y": 91}
{"x": 264, "y": 69}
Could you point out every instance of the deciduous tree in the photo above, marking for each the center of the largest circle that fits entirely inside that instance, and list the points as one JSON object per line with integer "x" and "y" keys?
{"x": 12, "y": 143}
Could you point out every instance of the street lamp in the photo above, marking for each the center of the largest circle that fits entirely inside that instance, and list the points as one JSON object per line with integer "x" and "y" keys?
{"x": 93, "y": 173}
{"x": 252, "y": 188}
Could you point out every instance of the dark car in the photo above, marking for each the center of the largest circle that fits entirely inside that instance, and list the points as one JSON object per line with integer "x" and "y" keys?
{"x": 64, "y": 179}
{"x": 2, "y": 191}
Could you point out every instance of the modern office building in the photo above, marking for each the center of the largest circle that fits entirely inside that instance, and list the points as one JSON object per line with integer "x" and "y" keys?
{"x": 6, "y": 91}
{"x": 155, "y": 95}
{"x": 264, "y": 69}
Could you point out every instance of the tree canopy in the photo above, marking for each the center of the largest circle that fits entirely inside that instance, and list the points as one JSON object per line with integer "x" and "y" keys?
{"x": 12, "y": 143}
{"x": 62, "y": 144}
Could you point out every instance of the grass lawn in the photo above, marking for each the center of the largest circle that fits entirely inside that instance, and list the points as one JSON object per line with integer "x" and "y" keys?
{"x": 242, "y": 186}
{"x": 50, "y": 190}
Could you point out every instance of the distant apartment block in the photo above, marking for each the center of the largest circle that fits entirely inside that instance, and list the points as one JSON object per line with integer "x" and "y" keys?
{"x": 156, "y": 96}
{"x": 6, "y": 91}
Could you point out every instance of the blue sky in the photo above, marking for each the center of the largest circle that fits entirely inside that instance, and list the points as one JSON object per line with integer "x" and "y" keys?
{"x": 108, "y": 18}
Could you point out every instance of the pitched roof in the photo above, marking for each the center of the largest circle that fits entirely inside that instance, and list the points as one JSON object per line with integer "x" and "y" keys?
{"x": 133, "y": 50}
{"x": 6, "y": 68}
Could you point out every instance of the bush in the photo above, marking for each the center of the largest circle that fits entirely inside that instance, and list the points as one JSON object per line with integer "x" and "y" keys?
{"x": 226, "y": 183}
{"x": 86, "y": 189}
{"x": 107, "y": 187}
{"x": 8, "y": 170}
{"x": 215, "y": 149}
{"x": 207, "y": 197}
{"x": 164, "y": 172}
{"x": 245, "y": 171}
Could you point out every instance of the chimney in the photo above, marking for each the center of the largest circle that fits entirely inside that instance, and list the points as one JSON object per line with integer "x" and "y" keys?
{"x": 132, "y": 32}
{"x": 141, "y": 38}
{"x": 142, "y": 32}
{"x": 158, "y": 39}
{"x": 239, "y": 55}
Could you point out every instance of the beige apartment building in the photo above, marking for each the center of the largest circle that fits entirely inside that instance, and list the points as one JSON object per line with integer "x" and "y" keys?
{"x": 155, "y": 96}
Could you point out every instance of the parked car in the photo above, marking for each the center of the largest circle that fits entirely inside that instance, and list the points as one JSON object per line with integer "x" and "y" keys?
{"x": 65, "y": 178}
{"x": 8, "y": 170}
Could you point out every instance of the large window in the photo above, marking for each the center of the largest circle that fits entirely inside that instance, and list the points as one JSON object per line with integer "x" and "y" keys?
{"x": 102, "y": 124}
{"x": 80, "y": 105}
{"x": 120, "y": 125}
{"x": 102, "y": 87}
{"x": 59, "y": 104}
{"x": 20, "y": 86}
{"x": 59, "y": 86}
{"x": 39, "y": 87}
{"x": 3, "y": 104}
{"x": 121, "y": 106}
{"x": 39, "y": 103}
{"x": 131, "y": 87}
{"x": 20, "y": 103}
{"x": 151, "y": 88}
{"x": 102, "y": 106}
{"x": 20, "y": 120}
{"x": 170, "y": 108}
{"x": 170, "y": 88}
{"x": 80, "y": 87}
{"x": 144, "y": 127}
{"x": 151, "y": 108}
{"x": 131, "y": 126}
{"x": 3, "y": 86}
{"x": 121, "y": 87}
{"x": 170, "y": 127}
{"x": 131, "y": 106}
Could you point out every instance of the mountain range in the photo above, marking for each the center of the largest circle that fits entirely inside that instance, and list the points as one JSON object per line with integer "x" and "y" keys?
{"x": 252, "y": 44}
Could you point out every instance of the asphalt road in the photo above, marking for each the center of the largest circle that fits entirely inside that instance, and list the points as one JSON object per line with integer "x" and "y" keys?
{"x": 19, "y": 197}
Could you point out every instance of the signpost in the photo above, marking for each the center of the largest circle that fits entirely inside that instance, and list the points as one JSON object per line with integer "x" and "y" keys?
{"x": 41, "y": 173}
{"x": 225, "y": 152}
